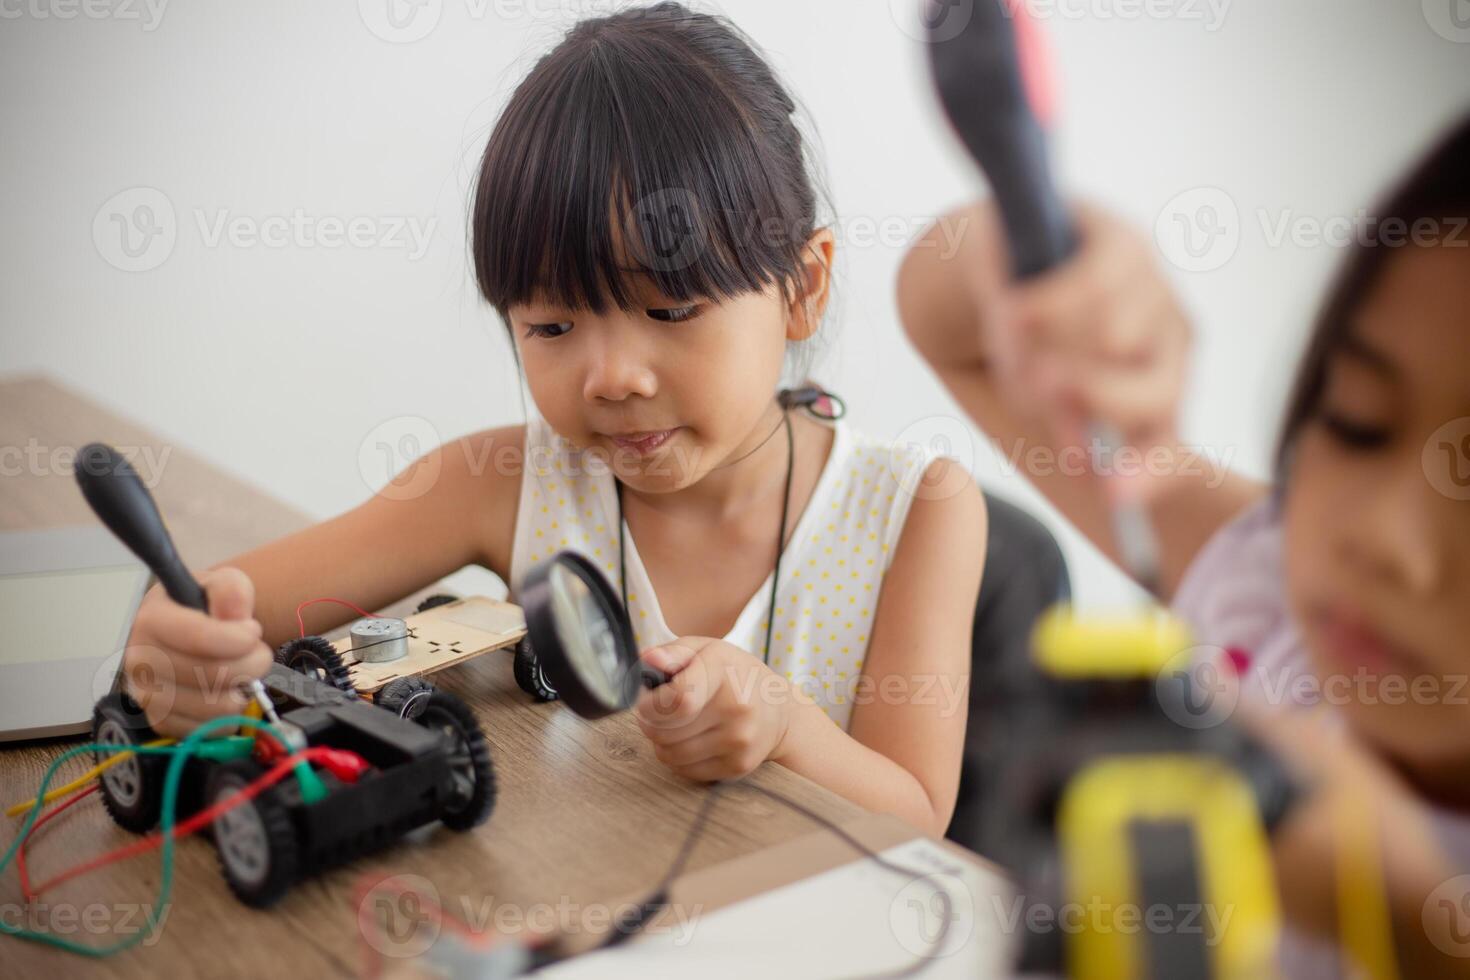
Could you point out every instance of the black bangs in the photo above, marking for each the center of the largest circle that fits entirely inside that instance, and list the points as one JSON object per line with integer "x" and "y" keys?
{"x": 650, "y": 148}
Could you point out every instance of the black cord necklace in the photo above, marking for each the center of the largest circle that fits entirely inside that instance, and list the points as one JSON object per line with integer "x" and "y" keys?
{"x": 780, "y": 533}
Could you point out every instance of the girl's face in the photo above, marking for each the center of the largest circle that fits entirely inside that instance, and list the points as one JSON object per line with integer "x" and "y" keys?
{"x": 1377, "y": 517}
{"x": 668, "y": 391}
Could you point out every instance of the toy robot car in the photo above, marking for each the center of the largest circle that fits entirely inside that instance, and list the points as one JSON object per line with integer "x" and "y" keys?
{"x": 435, "y": 767}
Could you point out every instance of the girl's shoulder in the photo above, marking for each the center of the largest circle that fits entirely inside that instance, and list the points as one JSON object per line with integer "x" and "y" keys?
{"x": 889, "y": 482}
{"x": 904, "y": 467}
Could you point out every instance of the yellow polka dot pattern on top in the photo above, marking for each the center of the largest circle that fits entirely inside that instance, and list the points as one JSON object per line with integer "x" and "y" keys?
{"x": 831, "y": 572}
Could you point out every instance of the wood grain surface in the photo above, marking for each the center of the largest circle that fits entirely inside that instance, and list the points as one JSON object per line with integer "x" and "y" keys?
{"x": 585, "y": 813}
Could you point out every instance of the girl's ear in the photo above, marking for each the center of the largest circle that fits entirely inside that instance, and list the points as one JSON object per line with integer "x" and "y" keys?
{"x": 814, "y": 286}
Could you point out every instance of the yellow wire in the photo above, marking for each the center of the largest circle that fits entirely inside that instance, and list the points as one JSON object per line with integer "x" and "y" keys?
{"x": 252, "y": 710}
{"x": 82, "y": 780}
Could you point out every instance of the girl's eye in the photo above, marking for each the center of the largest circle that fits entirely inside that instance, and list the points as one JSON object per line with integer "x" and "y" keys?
{"x": 547, "y": 330}
{"x": 1353, "y": 434}
{"x": 677, "y": 314}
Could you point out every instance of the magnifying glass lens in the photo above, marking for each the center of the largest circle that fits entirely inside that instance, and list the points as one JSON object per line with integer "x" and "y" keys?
{"x": 588, "y": 638}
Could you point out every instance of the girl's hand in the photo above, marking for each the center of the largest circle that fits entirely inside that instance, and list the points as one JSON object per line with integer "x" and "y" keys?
{"x": 1100, "y": 339}
{"x": 184, "y": 667}
{"x": 721, "y": 715}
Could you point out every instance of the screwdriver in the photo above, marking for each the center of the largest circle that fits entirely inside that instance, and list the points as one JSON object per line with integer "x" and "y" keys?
{"x": 119, "y": 498}
{"x": 994, "y": 87}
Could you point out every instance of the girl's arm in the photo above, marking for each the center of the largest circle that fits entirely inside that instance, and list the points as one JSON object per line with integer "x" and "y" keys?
{"x": 724, "y": 712}
{"x": 902, "y": 751}
{"x": 1099, "y": 339}
{"x": 453, "y": 507}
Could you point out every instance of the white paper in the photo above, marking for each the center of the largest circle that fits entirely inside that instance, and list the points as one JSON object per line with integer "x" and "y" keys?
{"x": 860, "y": 919}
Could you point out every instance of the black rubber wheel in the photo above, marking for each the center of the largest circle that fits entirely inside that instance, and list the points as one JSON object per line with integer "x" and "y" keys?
{"x": 439, "y": 599}
{"x": 404, "y": 696}
{"x": 472, "y": 795}
{"x": 529, "y": 675}
{"x": 316, "y": 657}
{"x": 256, "y": 840}
{"x": 132, "y": 790}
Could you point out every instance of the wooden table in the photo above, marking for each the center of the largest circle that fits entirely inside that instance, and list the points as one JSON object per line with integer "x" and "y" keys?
{"x": 585, "y": 813}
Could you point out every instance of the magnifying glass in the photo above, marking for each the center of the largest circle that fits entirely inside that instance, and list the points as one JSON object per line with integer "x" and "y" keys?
{"x": 583, "y": 638}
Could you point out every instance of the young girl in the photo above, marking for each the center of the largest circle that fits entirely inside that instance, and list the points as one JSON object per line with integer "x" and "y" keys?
{"x": 645, "y": 225}
{"x": 1347, "y": 583}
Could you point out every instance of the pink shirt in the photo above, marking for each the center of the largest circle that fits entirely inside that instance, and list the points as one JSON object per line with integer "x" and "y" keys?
{"x": 1232, "y": 596}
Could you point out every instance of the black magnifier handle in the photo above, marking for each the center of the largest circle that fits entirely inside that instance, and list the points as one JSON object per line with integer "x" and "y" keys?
{"x": 120, "y": 500}
{"x": 992, "y": 85}
{"x": 651, "y": 677}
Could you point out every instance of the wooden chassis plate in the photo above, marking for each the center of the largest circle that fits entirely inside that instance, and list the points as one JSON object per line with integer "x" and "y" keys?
{"x": 440, "y": 637}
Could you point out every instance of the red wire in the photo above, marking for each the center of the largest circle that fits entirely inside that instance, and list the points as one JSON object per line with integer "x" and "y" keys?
{"x": 301, "y": 624}
{"x": 203, "y": 818}
{"x": 371, "y": 963}
{"x": 45, "y": 818}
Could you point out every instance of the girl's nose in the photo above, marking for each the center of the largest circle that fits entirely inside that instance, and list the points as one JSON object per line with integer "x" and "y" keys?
{"x": 617, "y": 371}
{"x": 1403, "y": 539}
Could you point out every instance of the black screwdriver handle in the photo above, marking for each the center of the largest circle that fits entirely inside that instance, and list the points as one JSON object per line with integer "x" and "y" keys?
{"x": 986, "y": 74}
{"x": 120, "y": 500}
{"x": 979, "y": 74}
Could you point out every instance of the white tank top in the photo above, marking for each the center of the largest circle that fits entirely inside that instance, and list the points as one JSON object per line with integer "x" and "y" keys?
{"x": 831, "y": 571}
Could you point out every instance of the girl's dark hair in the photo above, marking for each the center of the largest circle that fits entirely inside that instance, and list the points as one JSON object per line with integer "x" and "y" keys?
{"x": 656, "y": 140}
{"x": 1435, "y": 198}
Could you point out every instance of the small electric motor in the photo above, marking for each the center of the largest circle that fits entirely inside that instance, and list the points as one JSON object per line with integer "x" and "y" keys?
{"x": 379, "y": 640}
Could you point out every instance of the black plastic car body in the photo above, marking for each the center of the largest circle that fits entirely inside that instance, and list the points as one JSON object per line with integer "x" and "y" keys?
{"x": 434, "y": 767}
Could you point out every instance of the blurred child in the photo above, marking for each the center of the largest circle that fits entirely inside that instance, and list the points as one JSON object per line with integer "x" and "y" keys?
{"x": 1351, "y": 571}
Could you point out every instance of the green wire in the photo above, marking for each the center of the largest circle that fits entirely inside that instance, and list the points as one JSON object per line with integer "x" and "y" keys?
{"x": 180, "y": 754}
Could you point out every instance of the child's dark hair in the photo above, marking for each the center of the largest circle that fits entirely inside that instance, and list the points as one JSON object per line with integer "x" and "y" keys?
{"x": 1435, "y": 199}
{"x": 653, "y": 141}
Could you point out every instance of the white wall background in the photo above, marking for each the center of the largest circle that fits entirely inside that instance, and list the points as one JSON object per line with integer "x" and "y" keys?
{"x": 288, "y": 365}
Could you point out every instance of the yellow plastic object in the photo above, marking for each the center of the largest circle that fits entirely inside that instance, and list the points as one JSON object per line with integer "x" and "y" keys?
{"x": 1364, "y": 922}
{"x": 1075, "y": 647}
{"x": 1239, "y": 911}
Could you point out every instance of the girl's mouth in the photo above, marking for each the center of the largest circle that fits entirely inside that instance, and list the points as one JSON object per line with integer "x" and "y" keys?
{"x": 1357, "y": 643}
{"x": 642, "y": 443}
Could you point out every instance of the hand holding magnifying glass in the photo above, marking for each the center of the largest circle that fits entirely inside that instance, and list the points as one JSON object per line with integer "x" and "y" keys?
{"x": 722, "y": 714}
{"x": 711, "y": 710}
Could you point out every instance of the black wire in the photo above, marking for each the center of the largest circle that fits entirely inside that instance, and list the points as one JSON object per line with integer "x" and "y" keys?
{"x": 744, "y": 456}
{"x": 780, "y": 536}
{"x": 659, "y": 899}
{"x": 945, "y": 917}
{"x": 410, "y": 635}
